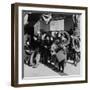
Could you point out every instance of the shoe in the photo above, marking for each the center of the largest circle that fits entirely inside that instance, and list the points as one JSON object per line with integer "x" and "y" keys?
{"x": 75, "y": 63}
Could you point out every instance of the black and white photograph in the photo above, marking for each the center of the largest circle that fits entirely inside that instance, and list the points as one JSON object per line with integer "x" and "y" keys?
{"x": 50, "y": 44}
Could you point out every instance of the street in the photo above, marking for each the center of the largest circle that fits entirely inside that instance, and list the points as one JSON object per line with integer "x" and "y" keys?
{"x": 43, "y": 70}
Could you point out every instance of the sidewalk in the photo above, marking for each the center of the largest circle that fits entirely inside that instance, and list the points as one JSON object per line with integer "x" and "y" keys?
{"x": 43, "y": 70}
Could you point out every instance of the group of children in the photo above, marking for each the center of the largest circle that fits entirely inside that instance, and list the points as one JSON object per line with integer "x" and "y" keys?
{"x": 47, "y": 48}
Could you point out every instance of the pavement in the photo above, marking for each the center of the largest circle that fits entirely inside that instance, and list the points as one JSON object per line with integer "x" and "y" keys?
{"x": 47, "y": 70}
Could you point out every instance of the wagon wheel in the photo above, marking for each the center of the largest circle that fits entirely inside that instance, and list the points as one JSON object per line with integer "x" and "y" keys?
{"x": 76, "y": 44}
